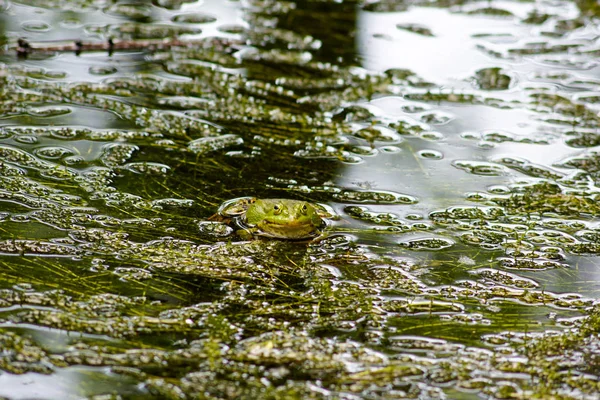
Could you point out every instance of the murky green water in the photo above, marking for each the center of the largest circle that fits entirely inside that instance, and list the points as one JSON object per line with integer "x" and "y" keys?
{"x": 455, "y": 142}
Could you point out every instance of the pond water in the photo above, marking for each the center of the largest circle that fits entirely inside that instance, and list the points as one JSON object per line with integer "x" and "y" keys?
{"x": 453, "y": 144}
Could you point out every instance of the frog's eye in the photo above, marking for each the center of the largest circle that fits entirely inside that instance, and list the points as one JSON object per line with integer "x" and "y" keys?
{"x": 304, "y": 208}
{"x": 277, "y": 209}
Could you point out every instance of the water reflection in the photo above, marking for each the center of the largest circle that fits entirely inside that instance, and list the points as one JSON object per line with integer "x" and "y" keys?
{"x": 68, "y": 384}
{"x": 436, "y": 183}
{"x": 425, "y": 175}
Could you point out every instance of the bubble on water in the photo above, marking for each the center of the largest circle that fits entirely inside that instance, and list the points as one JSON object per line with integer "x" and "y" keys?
{"x": 504, "y": 278}
{"x": 74, "y": 160}
{"x": 430, "y": 154}
{"x": 470, "y": 135}
{"x": 147, "y": 168}
{"x": 52, "y": 152}
{"x": 35, "y": 26}
{"x": 374, "y": 196}
{"x": 130, "y": 10}
{"x": 364, "y": 151}
{"x": 171, "y": 4}
{"x": 170, "y": 203}
{"x": 492, "y": 79}
{"x": 390, "y": 149}
{"x": 481, "y": 167}
{"x": 416, "y": 28}
{"x": 26, "y": 139}
{"x": 422, "y": 306}
{"x": 499, "y": 189}
{"x": 427, "y": 244}
{"x": 431, "y": 135}
{"x": 378, "y": 134}
{"x": 380, "y": 218}
{"x": 102, "y": 70}
{"x": 151, "y": 31}
{"x": 414, "y": 108}
{"x": 210, "y": 144}
{"x": 71, "y": 23}
{"x": 132, "y": 274}
{"x": 232, "y": 29}
{"x": 383, "y": 36}
{"x": 48, "y": 111}
{"x": 436, "y": 118}
{"x": 486, "y": 145}
{"x": 214, "y": 229}
{"x": 530, "y": 264}
{"x": 490, "y": 12}
{"x": 194, "y": 18}
{"x": 114, "y": 154}
{"x": 50, "y": 74}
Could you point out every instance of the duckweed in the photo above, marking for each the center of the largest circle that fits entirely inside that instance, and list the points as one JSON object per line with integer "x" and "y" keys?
{"x": 459, "y": 255}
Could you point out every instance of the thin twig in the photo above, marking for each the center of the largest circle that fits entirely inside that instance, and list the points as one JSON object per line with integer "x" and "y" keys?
{"x": 23, "y": 48}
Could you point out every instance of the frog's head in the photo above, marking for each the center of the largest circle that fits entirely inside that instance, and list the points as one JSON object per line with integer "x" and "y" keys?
{"x": 285, "y": 219}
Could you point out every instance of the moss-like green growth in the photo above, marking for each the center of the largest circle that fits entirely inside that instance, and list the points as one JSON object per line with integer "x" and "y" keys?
{"x": 492, "y": 79}
{"x": 459, "y": 240}
{"x": 492, "y": 11}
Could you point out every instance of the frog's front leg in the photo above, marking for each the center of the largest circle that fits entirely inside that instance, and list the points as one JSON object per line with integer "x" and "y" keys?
{"x": 218, "y": 218}
{"x": 247, "y": 233}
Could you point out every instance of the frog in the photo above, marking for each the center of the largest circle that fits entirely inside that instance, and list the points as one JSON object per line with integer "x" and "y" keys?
{"x": 275, "y": 218}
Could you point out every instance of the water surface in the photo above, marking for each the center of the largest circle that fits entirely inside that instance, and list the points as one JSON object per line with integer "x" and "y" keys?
{"x": 453, "y": 142}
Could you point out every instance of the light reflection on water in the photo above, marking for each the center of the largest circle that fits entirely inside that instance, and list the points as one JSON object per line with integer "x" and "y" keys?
{"x": 440, "y": 167}
{"x": 450, "y": 59}
{"x": 67, "y": 383}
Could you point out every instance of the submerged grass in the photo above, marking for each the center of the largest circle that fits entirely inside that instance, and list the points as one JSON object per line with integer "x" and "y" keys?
{"x": 107, "y": 187}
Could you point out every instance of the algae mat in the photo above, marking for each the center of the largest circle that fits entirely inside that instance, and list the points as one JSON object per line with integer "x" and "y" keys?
{"x": 454, "y": 143}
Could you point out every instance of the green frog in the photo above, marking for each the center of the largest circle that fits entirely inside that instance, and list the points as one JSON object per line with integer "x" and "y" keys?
{"x": 275, "y": 218}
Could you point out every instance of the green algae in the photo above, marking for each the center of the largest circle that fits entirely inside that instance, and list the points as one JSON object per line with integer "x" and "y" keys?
{"x": 492, "y": 79}
{"x": 105, "y": 238}
{"x": 491, "y": 11}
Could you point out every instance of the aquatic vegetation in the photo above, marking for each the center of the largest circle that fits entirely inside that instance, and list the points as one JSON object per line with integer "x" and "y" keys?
{"x": 414, "y": 28}
{"x": 459, "y": 256}
{"x": 492, "y": 79}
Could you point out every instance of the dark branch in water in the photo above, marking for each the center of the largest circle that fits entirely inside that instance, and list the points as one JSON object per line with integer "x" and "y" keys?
{"x": 24, "y": 48}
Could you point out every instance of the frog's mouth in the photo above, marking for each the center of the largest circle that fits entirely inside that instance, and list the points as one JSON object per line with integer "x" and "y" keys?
{"x": 296, "y": 229}
{"x": 291, "y": 224}
{"x": 296, "y": 226}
